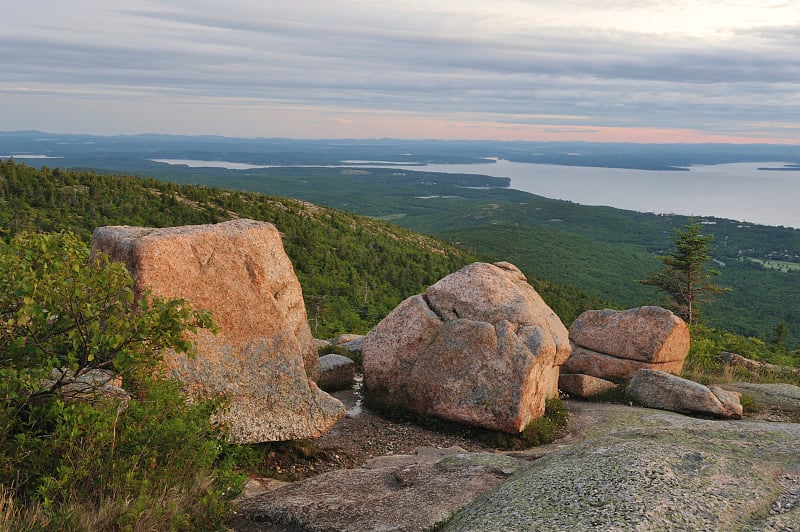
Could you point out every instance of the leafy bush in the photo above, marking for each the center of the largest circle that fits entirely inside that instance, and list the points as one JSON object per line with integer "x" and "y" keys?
{"x": 148, "y": 462}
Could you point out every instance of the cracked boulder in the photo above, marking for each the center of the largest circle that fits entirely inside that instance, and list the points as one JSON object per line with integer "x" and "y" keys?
{"x": 615, "y": 344}
{"x": 479, "y": 347}
{"x": 263, "y": 359}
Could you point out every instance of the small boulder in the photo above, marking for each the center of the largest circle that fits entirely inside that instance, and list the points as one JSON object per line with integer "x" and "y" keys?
{"x": 336, "y": 372}
{"x": 479, "y": 347}
{"x": 345, "y": 338}
{"x": 87, "y": 385}
{"x": 351, "y": 342}
{"x": 616, "y": 344}
{"x": 658, "y": 389}
{"x": 263, "y": 360}
{"x": 319, "y": 344}
{"x": 583, "y": 386}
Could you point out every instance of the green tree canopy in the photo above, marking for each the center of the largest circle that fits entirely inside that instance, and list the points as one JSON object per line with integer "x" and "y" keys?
{"x": 685, "y": 279}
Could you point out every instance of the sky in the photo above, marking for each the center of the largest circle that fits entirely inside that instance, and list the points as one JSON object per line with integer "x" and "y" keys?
{"x": 540, "y": 70}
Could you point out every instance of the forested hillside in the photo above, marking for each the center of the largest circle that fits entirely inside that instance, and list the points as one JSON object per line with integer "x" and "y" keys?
{"x": 599, "y": 250}
{"x": 353, "y": 269}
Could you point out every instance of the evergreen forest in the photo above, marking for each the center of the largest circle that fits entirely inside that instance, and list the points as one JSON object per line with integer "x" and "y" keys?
{"x": 354, "y": 270}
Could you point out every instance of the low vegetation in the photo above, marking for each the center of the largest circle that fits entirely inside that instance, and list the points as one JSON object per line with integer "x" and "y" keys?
{"x": 148, "y": 461}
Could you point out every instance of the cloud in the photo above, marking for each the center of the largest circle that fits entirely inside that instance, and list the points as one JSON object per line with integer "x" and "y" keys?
{"x": 510, "y": 60}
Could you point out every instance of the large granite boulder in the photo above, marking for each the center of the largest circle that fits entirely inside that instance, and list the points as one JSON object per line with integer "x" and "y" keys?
{"x": 657, "y": 389}
{"x": 264, "y": 355}
{"x": 615, "y": 344}
{"x": 479, "y": 347}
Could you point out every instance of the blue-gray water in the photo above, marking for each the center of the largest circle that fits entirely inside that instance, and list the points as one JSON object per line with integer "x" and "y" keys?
{"x": 738, "y": 191}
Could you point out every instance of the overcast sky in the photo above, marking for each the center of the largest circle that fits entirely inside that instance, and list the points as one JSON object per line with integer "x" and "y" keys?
{"x": 598, "y": 70}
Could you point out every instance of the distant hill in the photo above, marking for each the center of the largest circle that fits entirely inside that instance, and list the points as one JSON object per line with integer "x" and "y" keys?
{"x": 601, "y": 250}
{"x": 354, "y": 270}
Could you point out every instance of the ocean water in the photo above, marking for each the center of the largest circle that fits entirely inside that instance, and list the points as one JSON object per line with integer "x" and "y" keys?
{"x": 738, "y": 191}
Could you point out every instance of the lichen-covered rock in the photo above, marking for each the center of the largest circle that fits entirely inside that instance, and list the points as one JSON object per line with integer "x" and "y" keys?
{"x": 583, "y": 386}
{"x": 604, "y": 366}
{"x": 642, "y": 469}
{"x": 775, "y": 396}
{"x": 345, "y": 338}
{"x": 351, "y": 342}
{"x": 264, "y": 354}
{"x": 398, "y": 493}
{"x": 617, "y": 343}
{"x": 479, "y": 347}
{"x": 658, "y": 389}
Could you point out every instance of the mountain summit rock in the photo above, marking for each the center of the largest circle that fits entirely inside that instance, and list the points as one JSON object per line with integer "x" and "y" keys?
{"x": 615, "y": 344}
{"x": 479, "y": 347}
{"x": 263, "y": 357}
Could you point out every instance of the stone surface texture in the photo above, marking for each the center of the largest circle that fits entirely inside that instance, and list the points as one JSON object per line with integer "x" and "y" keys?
{"x": 658, "y": 389}
{"x": 583, "y": 386}
{"x": 614, "y": 344}
{"x": 610, "y": 367}
{"x": 642, "y": 469}
{"x": 88, "y": 385}
{"x": 479, "y": 347}
{"x": 264, "y": 354}
{"x": 781, "y": 396}
{"x": 336, "y": 372}
{"x": 397, "y": 493}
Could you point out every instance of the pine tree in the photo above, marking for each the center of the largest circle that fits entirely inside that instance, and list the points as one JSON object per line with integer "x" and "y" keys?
{"x": 685, "y": 279}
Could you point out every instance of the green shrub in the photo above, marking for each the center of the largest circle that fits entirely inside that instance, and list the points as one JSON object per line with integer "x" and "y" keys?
{"x": 540, "y": 431}
{"x": 149, "y": 462}
{"x": 703, "y": 364}
{"x": 749, "y": 405}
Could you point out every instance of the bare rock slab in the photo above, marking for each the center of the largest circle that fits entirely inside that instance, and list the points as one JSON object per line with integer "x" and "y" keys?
{"x": 650, "y": 470}
{"x": 583, "y": 386}
{"x": 617, "y": 343}
{"x": 400, "y": 493}
{"x": 783, "y": 396}
{"x": 479, "y": 347}
{"x": 658, "y": 389}
{"x": 264, "y": 355}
